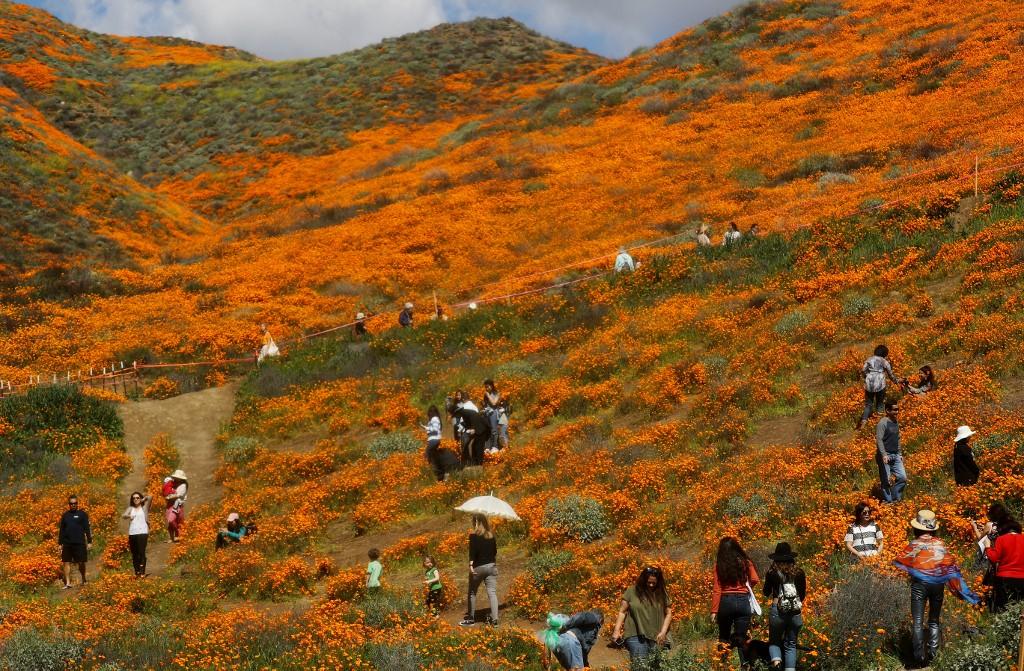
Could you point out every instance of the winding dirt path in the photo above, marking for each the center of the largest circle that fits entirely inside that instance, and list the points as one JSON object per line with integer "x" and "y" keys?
{"x": 192, "y": 421}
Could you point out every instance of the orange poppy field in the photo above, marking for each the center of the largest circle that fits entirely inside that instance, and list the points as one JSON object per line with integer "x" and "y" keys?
{"x": 161, "y": 199}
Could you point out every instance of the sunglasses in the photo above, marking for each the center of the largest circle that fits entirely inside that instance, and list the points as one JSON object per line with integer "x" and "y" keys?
{"x": 652, "y": 570}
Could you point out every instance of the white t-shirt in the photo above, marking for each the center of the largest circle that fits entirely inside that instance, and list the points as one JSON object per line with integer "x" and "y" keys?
{"x": 138, "y": 523}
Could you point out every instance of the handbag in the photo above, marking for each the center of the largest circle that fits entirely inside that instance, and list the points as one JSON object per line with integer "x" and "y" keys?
{"x": 755, "y": 607}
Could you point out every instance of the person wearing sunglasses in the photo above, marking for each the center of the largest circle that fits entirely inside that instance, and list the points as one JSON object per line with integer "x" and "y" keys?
{"x": 75, "y": 539}
{"x": 645, "y": 614}
{"x": 892, "y": 474}
{"x": 137, "y": 514}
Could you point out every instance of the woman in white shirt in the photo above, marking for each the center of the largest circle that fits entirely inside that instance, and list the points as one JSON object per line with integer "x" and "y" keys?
{"x": 137, "y": 515}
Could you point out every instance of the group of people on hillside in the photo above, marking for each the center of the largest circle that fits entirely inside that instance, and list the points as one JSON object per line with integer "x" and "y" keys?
{"x": 74, "y": 534}
{"x": 479, "y": 430}
{"x": 624, "y": 262}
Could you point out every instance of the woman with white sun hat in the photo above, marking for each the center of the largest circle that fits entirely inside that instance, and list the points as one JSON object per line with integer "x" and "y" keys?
{"x": 965, "y": 470}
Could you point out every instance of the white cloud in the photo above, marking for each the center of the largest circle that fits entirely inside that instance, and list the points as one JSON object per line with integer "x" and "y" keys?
{"x": 302, "y": 28}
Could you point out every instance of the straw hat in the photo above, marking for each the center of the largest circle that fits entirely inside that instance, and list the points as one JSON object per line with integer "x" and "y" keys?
{"x": 360, "y": 315}
{"x": 925, "y": 521}
{"x": 408, "y": 306}
{"x": 179, "y": 475}
{"x": 963, "y": 432}
{"x": 233, "y": 517}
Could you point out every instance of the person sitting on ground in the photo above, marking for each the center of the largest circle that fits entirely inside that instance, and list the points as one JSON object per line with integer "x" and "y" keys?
{"x": 234, "y": 532}
{"x": 175, "y": 514}
{"x": 863, "y": 537}
{"x": 892, "y": 474}
{"x": 930, "y": 566}
{"x": 875, "y": 371}
{"x": 359, "y": 327}
{"x": 268, "y": 346}
{"x": 624, "y": 262}
{"x": 570, "y": 639}
{"x": 1006, "y": 554}
{"x": 644, "y": 617}
{"x": 786, "y": 585}
{"x": 374, "y": 569}
{"x": 702, "y": 236}
{"x": 732, "y": 236}
{"x": 925, "y": 383}
{"x": 965, "y": 469}
{"x": 405, "y": 316}
{"x": 754, "y": 233}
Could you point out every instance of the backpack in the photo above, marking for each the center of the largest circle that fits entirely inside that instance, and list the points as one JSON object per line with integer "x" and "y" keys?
{"x": 789, "y": 600}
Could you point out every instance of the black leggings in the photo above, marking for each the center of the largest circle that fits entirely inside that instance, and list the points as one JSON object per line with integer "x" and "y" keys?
{"x": 477, "y": 447}
{"x": 137, "y": 545}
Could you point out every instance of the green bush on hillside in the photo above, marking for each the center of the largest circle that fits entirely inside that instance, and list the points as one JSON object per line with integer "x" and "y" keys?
{"x": 396, "y": 442}
{"x": 579, "y": 517}
{"x": 972, "y": 657}
{"x": 31, "y": 650}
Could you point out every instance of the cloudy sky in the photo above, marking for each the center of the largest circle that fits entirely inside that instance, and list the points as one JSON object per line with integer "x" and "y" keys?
{"x": 282, "y": 29}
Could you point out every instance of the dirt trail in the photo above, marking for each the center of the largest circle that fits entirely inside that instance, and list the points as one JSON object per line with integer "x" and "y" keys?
{"x": 192, "y": 421}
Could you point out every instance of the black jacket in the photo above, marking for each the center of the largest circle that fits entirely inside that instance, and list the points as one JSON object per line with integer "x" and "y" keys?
{"x": 586, "y": 626}
{"x": 74, "y": 528}
{"x": 482, "y": 550}
{"x": 471, "y": 419}
{"x": 773, "y": 582}
{"x": 965, "y": 470}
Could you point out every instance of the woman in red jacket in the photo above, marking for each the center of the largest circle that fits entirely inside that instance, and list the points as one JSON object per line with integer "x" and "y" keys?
{"x": 1007, "y": 553}
{"x": 730, "y": 600}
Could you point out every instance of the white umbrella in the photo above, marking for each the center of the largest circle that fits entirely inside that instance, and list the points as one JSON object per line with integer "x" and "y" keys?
{"x": 490, "y": 506}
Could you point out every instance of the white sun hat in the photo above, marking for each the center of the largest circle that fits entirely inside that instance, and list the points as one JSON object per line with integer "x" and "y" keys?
{"x": 360, "y": 315}
{"x": 472, "y": 306}
{"x": 963, "y": 432}
{"x": 408, "y": 306}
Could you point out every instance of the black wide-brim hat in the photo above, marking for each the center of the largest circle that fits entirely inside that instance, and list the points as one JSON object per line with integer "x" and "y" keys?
{"x": 783, "y": 552}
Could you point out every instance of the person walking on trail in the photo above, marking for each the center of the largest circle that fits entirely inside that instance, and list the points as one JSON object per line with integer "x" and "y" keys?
{"x": 786, "y": 585}
{"x": 965, "y": 469}
{"x": 483, "y": 568}
{"x": 137, "y": 514}
{"x": 435, "y": 590}
{"x": 175, "y": 514}
{"x": 875, "y": 371}
{"x": 863, "y": 537}
{"x": 233, "y": 532}
{"x": 476, "y": 431}
{"x": 405, "y": 316}
{"x": 570, "y": 639}
{"x": 359, "y": 326}
{"x": 731, "y": 606}
{"x": 732, "y": 236}
{"x": 1004, "y": 549}
{"x": 624, "y": 262}
{"x": 74, "y": 535}
{"x": 644, "y": 618}
{"x": 267, "y": 347}
{"x": 374, "y": 569}
{"x": 496, "y": 412}
{"x": 930, "y": 567}
{"x": 924, "y": 384}
{"x": 702, "y": 236}
{"x": 888, "y": 455}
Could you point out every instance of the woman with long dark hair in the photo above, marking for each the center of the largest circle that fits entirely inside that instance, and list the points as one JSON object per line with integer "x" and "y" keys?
{"x": 786, "y": 586}
{"x": 137, "y": 514}
{"x": 645, "y": 614}
{"x": 730, "y": 600}
{"x": 1005, "y": 552}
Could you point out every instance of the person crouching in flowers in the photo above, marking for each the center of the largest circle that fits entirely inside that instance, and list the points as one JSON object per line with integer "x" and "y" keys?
{"x": 234, "y": 532}
{"x": 570, "y": 639}
{"x": 731, "y": 595}
{"x": 267, "y": 345}
{"x": 931, "y": 568}
{"x": 645, "y": 614}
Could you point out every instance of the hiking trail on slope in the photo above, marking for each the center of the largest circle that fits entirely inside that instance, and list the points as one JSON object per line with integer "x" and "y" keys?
{"x": 192, "y": 421}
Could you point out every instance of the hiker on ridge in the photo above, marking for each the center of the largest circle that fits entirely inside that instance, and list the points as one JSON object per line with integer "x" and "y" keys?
{"x": 359, "y": 327}
{"x": 75, "y": 539}
{"x": 888, "y": 455}
{"x": 624, "y": 262}
{"x": 875, "y": 371}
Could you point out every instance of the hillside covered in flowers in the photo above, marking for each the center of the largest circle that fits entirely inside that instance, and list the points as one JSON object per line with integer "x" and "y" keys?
{"x": 165, "y": 197}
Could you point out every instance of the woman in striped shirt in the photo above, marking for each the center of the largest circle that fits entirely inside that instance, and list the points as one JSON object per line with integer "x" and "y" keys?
{"x": 864, "y": 538}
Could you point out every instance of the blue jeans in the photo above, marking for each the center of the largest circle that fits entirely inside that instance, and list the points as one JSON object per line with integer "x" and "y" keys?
{"x": 640, "y": 649}
{"x": 873, "y": 401}
{"x": 782, "y": 633}
{"x": 894, "y": 492}
{"x": 734, "y": 621}
{"x": 569, "y": 652}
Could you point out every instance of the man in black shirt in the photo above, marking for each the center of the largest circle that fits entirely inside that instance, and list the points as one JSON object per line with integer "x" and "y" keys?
{"x": 75, "y": 539}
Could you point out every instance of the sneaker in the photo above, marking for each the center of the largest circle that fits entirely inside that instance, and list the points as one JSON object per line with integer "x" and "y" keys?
{"x": 491, "y": 621}
{"x": 67, "y": 585}
{"x": 467, "y": 622}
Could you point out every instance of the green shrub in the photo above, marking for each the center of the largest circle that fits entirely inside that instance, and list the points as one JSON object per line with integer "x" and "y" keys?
{"x": 753, "y": 506}
{"x": 579, "y": 517}
{"x": 30, "y": 650}
{"x": 384, "y": 609}
{"x": 857, "y": 306}
{"x": 869, "y": 612}
{"x": 792, "y": 322}
{"x": 972, "y": 657}
{"x": 395, "y": 442}
{"x": 240, "y": 450}
{"x": 1004, "y": 630}
{"x": 517, "y": 368}
{"x": 546, "y": 562}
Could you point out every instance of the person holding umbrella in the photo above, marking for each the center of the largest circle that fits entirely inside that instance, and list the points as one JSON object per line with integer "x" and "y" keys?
{"x": 483, "y": 568}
